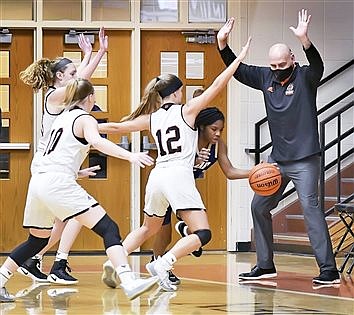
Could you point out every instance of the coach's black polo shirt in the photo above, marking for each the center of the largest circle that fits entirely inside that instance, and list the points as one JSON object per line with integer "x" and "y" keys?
{"x": 290, "y": 107}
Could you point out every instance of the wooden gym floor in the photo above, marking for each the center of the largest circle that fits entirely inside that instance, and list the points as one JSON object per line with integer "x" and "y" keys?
{"x": 209, "y": 286}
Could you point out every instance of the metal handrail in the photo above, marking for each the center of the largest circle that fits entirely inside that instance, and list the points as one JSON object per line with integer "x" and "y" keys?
{"x": 340, "y": 156}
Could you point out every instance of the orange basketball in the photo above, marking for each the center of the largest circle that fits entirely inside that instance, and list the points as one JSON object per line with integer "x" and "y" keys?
{"x": 265, "y": 179}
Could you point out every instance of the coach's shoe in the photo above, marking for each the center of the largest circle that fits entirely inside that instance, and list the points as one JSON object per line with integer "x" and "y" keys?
{"x": 135, "y": 287}
{"x": 181, "y": 228}
{"x": 160, "y": 268}
{"x": 327, "y": 277}
{"x": 59, "y": 275}
{"x": 109, "y": 276}
{"x": 6, "y": 297}
{"x": 32, "y": 268}
{"x": 258, "y": 273}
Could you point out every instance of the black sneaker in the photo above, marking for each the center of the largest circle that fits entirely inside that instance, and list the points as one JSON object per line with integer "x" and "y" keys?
{"x": 173, "y": 278}
{"x": 59, "y": 275}
{"x": 258, "y": 273}
{"x": 32, "y": 268}
{"x": 327, "y": 277}
{"x": 181, "y": 229}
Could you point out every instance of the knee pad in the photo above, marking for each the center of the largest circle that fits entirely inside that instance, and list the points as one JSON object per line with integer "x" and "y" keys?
{"x": 27, "y": 249}
{"x": 204, "y": 236}
{"x": 109, "y": 231}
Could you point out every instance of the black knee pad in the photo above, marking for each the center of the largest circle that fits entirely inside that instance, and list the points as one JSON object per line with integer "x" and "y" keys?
{"x": 109, "y": 231}
{"x": 204, "y": 236}
{"x": 27, "y": 249}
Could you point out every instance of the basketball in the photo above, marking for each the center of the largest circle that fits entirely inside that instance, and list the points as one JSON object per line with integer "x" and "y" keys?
{"x": 265, "y": 179}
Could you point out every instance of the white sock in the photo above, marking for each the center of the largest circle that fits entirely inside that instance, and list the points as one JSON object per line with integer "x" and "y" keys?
{"x": 169, "y": 258}
{"x": 185, "y": 230}
{"x": 125, "y": 273}
{"x": 60, "y": 256}
{"x": 5, "y": 275}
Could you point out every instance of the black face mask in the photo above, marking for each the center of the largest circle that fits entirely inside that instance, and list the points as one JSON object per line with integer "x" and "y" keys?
{"x": 282, "y": 74}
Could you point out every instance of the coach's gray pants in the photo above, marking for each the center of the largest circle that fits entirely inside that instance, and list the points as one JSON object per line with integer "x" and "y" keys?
{"x": 304, "y": 174}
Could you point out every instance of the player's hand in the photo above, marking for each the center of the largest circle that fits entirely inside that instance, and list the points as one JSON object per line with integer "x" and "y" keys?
{"x": 245, "y": 49}
{"x": 203, "y": 155}
{"x": 84, "y": 44}
{"x": 141, "y": 159}
{"x": 90, "y": 171}
{"x": 103, "y": 39}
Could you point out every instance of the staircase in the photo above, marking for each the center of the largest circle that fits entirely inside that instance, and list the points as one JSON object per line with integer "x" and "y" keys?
{"x": 289, "y": 227}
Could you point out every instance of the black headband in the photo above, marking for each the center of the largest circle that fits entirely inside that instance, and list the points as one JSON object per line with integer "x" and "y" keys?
{"x": 174, "y": 84}
{"x": 61, "y": 64}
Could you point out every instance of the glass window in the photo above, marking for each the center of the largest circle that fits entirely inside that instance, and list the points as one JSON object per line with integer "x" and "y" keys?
{"x": 110, "y": 10}
{"x": 5, "y": 98}
{"x": 101, "y": 97}
{"x": 4, "y": 132}
{"x": 74, "y": 56}
{"x": 159, "y": 11}
{"x": 169, "y": 62}
{"x": 207, "y": 11}
{"x": 55, "y": 10}
{"x": 101, "y": 70}
{"x": 4, "y": 64}
{"x": 190, "y": 90}
{"x": 16, "y": 10}
{"x": 194, "y": 65}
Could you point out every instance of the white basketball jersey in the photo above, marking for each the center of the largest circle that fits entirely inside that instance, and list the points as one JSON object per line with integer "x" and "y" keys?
{"x": 176, "y": 141}
{"x": 64, "y": 152}
{"x": 47, "y": 122}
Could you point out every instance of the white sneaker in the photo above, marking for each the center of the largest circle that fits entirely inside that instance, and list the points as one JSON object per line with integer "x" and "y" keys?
{"x": 159, "y": 268}
{"x": 138, "y": 286}
{"x": 109, "y": 276}
{"x": 6, "y": 297}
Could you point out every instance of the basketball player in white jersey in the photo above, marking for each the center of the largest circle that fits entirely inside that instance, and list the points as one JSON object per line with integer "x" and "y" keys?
{"x": 171, "y": 182}
{"x": 54, "y": 192}
{"x": 53, "y": 76}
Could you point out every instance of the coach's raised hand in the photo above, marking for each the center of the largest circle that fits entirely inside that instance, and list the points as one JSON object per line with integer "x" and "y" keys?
{"x": 224, "y": 32}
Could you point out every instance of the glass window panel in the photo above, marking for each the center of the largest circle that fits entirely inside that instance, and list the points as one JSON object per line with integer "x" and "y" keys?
{"x": 101, "y": 70}
{"x": 169, "y": 62}
{"x": 16, "y": 10}
{"x": 62, "y": 10}
{"x": 207, "y": 11}
{"x": 190, "y": 90}
{"x": 98, "y": 158}
{"x": 4, "y": 165}
{"x": 4, "y": 64}
{"x": 110, "y": 10}
{"x": 5, "y": 98}
{"x": 159, "y": 11}
{"x": 74, "y": 56}
{"x": 4, "y": 132}
{"x": 101, "y": 97}
{"x": 194, "y": 65}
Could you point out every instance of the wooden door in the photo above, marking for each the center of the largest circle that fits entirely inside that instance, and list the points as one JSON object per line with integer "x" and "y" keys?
{"x": 112, "y": 188}
{"x": 16, "y": 137}
{"x": 213, "y": 186}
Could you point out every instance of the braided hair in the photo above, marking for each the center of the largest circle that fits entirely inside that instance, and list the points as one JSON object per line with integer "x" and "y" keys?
{"x": 208, "y": 116}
